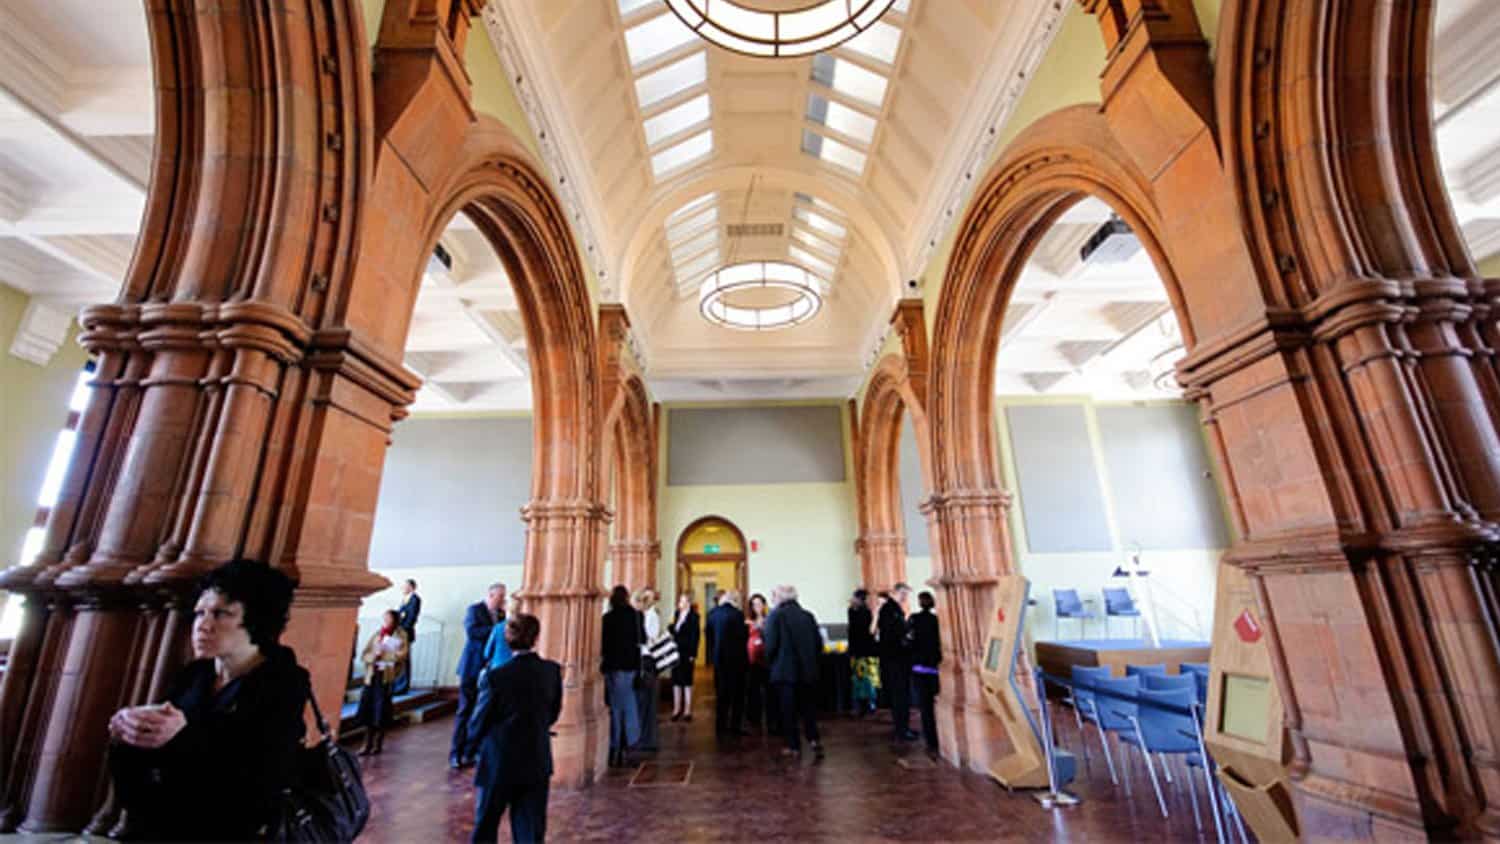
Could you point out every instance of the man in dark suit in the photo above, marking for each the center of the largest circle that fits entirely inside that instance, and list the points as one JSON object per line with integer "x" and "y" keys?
{"x": 792, "y": 647}
{"x": 480, "y": 618}
{"x": 512, "y": 722}
{"x": 406, "y": 618}
{"x": 895, "y": 660}
{"x": 728, "y": 648}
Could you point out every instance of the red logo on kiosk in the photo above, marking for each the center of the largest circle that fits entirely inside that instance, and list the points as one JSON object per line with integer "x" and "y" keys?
{"x": 1000, "y": 614}
{"x": 1247, "y": 627}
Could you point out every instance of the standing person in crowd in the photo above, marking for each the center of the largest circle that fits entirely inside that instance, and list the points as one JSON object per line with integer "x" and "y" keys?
{"x": 518, "y": 704}
{"x": 926, "y": 655}
{"x": 622, "y": 635}
{"x": 479, "y": 621}
{"x": 384, "y": 658}
{"x": 760, "y": 706}
{"x": 685, "y": 632}
{"x": 864, "y": 661}
{"x": 792, "y": 646}
{"x": 406, "y": 616}
{"x": 895, "y": 661}
{"x": 648, "y": 691}
{"x": 728, "y": 653}
{"x": 211, "y": 760}
{"x": 496, "y": 647}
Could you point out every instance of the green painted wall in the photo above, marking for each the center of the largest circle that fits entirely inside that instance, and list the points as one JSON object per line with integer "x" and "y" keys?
{"x": 35, "y": 408}
{"x": 806, "y": 531}
{"x": 1490, "y": 267}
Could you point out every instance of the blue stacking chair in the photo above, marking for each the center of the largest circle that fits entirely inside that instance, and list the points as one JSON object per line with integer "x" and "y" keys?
{"x": 1067, "y": 604}
{"x": 1158, "y": 670}
{"x": 1116, "y": 715}
{"x": 1200, "y": 672}
{"x": 1168, "y": 682}
{"x": 1086, "y": 708}
{"x": 1118, "y": 603}
{"x": 1164, "y": 733}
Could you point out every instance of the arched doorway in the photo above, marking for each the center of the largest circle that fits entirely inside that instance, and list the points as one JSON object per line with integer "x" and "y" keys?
{"x": 712, "y": 558}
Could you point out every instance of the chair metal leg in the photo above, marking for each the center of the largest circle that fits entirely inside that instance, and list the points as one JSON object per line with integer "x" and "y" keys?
{"x": 1104, "y": 745}
{"x": 1165, "y": 769}
{"x": 1083, "y": 744}
{"x": 1161, "y": 801}
{"x": 1193, "y": 799}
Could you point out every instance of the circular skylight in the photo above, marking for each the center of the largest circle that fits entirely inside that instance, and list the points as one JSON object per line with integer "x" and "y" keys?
{"x": 774, "y": 28}
{"x": 745, "y": 296}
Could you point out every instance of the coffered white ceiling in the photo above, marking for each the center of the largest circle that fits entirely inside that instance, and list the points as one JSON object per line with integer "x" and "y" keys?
{"x": 676, "y": 156}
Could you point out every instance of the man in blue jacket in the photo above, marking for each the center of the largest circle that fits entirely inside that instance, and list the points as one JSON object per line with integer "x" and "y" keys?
{"x": 518, "y": 704}
{"x": 729, "y": 654}
{"x": 480, "y": 618}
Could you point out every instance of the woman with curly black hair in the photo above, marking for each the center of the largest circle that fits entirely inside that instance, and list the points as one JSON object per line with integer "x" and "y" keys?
{"x": 210, "y": 762}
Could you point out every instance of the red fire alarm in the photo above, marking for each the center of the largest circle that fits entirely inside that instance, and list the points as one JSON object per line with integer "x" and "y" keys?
{"x": 755, "y": 545}
{"x": 1247, "y": 628}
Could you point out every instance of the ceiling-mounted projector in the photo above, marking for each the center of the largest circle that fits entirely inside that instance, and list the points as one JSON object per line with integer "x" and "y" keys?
{"x": 1113, "y": 243}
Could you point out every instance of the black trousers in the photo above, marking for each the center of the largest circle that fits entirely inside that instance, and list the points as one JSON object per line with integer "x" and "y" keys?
{"x": 729, "y": 698}
{"x": 528, "y": 811}
{"x": 927, "y": 692}
{"x": 895, "y": 678}
{"x": 468, "y": 695}
{"x": 761, "y": 706}
{"x": 799, "y": 709}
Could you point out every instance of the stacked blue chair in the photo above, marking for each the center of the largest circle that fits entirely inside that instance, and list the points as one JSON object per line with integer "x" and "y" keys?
{"x": 1118, "y": 603}
{"x": 1116, "y": 712}
{"x": 1158, "y": 670}
{"x": 1086, "y": 708}
{"x": 1166, "y": 732}
{"x": 1067, "y": 604}
{"x": 1200, "y": 672}
{"x": 1170, "y": 682}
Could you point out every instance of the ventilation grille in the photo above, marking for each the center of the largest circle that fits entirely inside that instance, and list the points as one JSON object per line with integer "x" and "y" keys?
{"x": 755, "y": 229}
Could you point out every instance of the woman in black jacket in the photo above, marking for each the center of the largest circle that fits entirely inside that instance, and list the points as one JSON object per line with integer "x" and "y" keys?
{"x": 864, "y": 659}
{"x": 926, "y": 655}
{"x": 685, "y": 632}
{"x": 623, "y": 634}
{"x": 211, "y": 761}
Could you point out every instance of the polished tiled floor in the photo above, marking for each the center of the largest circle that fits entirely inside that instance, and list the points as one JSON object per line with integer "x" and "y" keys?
{"x": 698, "y": 790}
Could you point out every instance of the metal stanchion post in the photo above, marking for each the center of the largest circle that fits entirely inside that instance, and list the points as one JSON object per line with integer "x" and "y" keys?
{"x": 1054, "y": 796}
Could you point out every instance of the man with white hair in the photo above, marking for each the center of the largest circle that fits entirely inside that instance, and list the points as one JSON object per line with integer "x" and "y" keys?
{"x": 792, "y": 647}
{"x": 728, "y": 648}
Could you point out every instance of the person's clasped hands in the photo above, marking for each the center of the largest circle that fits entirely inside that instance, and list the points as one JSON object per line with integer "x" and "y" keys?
{"x": 148, "y": 726}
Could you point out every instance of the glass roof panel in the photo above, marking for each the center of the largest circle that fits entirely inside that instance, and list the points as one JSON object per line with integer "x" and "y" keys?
{"x": 673, "y": 79}
{"x": 819, "y": 223}
{"x": 690, "y": 150}
{"x": 879, "y": 42}
{"x": 840, "y": 118}
{"x": 691, "y": 207}
{"x": 650, "y": 39}
{"x": 811, "y": 261}
{"x": 679, "y": 229}
{"x": 849, "y": 79}
{"x": 628, "y": 6}
{"x": 692, "y": 246}
{"x": 676, "y": 119}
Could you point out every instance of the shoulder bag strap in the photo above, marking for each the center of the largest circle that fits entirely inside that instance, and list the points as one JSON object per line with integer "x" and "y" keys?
{"x": 318, "y": 715}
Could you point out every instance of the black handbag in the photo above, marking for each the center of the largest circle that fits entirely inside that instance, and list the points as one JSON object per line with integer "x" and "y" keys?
{"x": 329, "y": 802}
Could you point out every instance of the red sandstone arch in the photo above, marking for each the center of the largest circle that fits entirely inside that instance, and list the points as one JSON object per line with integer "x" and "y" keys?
{"x": 889, "y": 398}
{"x": 631, "y": 446}
{"x": 1054, "y": 163}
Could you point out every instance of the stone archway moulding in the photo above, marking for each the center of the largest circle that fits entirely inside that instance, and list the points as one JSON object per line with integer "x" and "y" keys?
{"x": 631, "y": 449}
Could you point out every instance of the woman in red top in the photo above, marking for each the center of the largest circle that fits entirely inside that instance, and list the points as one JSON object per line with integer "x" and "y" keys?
{"x": 758, "y": 684}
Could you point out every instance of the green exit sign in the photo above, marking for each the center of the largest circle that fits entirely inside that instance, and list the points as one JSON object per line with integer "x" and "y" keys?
{"x": 709, "y": 548}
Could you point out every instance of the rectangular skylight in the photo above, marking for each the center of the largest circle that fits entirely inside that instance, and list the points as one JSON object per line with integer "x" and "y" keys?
{"x": 656, "y": 37}
{"x": 840, "y": 118}
{"x": 676, "y": 119}
{"x": 628, "y": 6}
{"x": 811, "y": 240}
{"x": 879, "y": 42}
{"x": 684, "y": 153}
{"x": 811, "y": 261}
{"x": 849, "y": 79}
{"x": 819, "y": 223}
{"x": 833, "y": 152}
{"x": 817, "y": 203}
{"x": 681, "y": 229}
{"x": 671, "y": 80}
{"x": 691, "y": 207}
{"x": 694, "y": 270}
{"x": 694, "y": 245}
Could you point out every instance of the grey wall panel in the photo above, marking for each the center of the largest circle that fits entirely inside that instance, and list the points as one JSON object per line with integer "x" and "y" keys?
{"x": 755, "y": 445}
{"x": 1061, "y": 499}
{"x": 912, "y": 492}
{"x": 451, "y": 493}
{"x": 1160, "y": 477}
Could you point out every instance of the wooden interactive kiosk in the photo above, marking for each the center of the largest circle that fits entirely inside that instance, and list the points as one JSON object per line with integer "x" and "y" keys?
{"x": 1024, "y": 766}
{"x": 1243, "y": 724}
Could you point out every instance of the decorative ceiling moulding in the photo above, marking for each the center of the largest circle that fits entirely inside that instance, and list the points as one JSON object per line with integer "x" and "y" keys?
{"x": 525, "y": 69}
{"x": 963, "y": 167}
{"x": 806, "y": 290}
{"x": 42, "y": 331}
{"x": 742, "y": 27}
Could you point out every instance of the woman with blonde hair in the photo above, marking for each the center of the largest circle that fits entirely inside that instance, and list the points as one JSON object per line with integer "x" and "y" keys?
{"x": 647, "y": 692}
{"x": 686, "y": 630}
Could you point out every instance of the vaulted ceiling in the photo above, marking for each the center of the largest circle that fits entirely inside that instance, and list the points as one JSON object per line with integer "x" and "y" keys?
{"x": 677, "y": 157}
